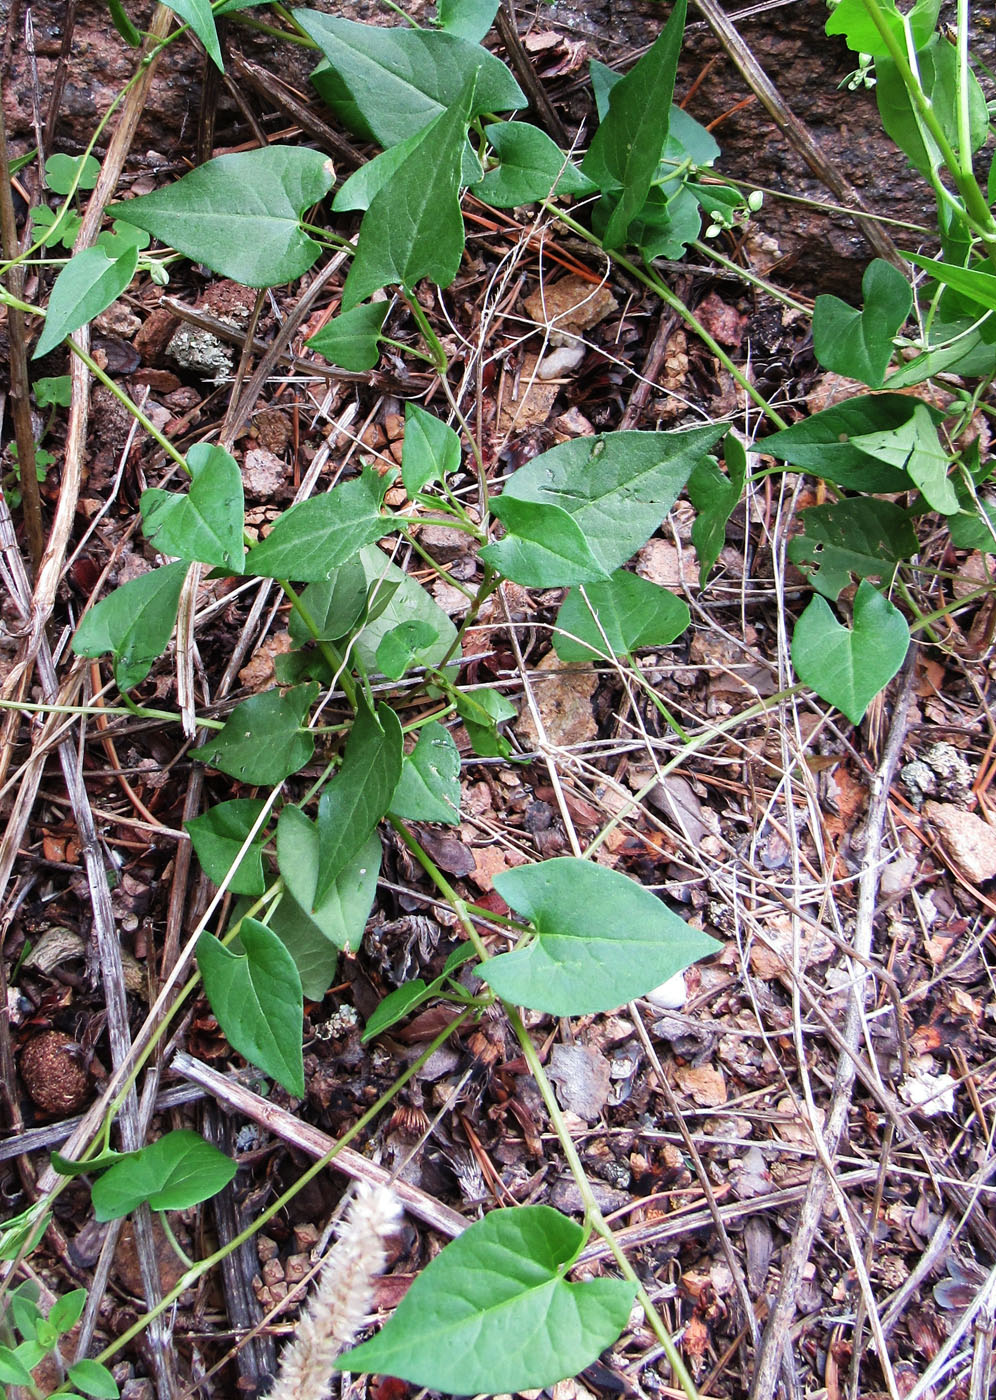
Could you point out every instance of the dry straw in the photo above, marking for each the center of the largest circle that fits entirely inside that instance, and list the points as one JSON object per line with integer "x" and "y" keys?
{"x": 341, "y": 1300}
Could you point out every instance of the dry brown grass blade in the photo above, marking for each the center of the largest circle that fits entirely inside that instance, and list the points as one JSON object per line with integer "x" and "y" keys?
{"x": 777, "y": 1328}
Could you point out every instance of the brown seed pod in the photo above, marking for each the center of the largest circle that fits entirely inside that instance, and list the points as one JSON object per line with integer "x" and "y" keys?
{"x": 52, "y": 1073}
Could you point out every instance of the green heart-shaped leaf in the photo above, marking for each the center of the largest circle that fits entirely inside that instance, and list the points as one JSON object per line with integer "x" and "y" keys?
{"x": 240, "y": 214}
{"x": 493, "y": 1312}
{"x": 600, "y": 940}
{"x": 172, "y": 1173}
{"x": 134, "y": 623}
{"x": 263, "y": 741}
{"x": 848, "y": 667}
{"x": 352, "y": 341}
{"x": 256, "y": 996}
{"x": 341, "y": 914}
{"x": 205, "y": 524}
{"x": 855, "y": 343}
{"x": 429, "y": 790}
{"x": 218, "y": 836}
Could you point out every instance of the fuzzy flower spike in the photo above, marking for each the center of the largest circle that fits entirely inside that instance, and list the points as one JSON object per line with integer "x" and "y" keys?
{"x": 342, "y": 1298}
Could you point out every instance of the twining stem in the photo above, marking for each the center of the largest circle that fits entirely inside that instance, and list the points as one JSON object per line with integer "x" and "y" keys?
{"x": 961, "y": 172}
{"x": 593, "y": 1215}
{"x": 649, "y": 278}
{"x": 276, "y": 1206}
{"x": 139, "y": 711}
{"x": 129, "y": 403}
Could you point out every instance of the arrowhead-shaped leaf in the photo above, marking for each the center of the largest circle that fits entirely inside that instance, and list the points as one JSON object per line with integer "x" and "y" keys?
{"x": 493, "y": 1312}
{"x": 86, "y": 286}
{"x": 359, "y": 794}
{"x": 414, "y": 228}
{"x": 385, "y": 84}
{"x": 627, "y": 146}
{"x": 601, "y": 939}
{"x": 256, "y": 995}
{"x": 848, "y": 667}
{"x": 240, "y": 214}
{"x": 206, "y": 523}
{"x": 617, "y": 617}
{"x": 341, "y": 916}
{"x": 429, "y": 789}
{"x": 312, "y": 539}
{"x": 430, "y": 452}
{"x": 218, "y": 836}
{"x": 617, "y": 486}
{"x": 172, "y": 1173}
{"x": 134, "y": 623}
{"x": 855, "y": 343}
{"x": 532, "y": 167}
{"x": 352, "y": 341}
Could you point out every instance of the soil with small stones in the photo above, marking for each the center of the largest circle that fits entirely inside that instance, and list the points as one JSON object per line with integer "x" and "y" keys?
{"x": 695, "y": 1110}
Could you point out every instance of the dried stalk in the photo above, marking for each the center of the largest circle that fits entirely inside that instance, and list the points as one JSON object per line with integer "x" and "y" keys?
{"x": 779, "y": 1323}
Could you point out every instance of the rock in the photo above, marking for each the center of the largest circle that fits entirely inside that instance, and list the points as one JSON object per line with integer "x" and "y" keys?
{"x": 263, "y": 473}
{"x": 525, "y": 398}
{"x": 573, "y": 304}
{"x": 704, "y": 1084}
{"x": 967, "y": 839}
{"x": 563, "y": 696}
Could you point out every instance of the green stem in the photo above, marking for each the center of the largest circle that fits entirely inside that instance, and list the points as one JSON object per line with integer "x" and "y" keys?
{"x": 649, "y": 279}
{"x": 593, "y": 1214}
{"x": 129, "y": 404}
{"x": 275, "y": 1207}
{"x": 694, "y": 742}
{"x": 7, "y": 300}
{"x": 327, "y": 649}
{"x": 459, "y": 906}
{"x": 743, "y": 275}
{"x": 303, "y": 40}
{"x": 439, "y": 361}
{"x": 177, "y": 1247}
{"x": 139, "y": 711}
{"x": 489, "y": 583}
{"x": 976, "y": 209}
{"x": 433, "y": 564}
